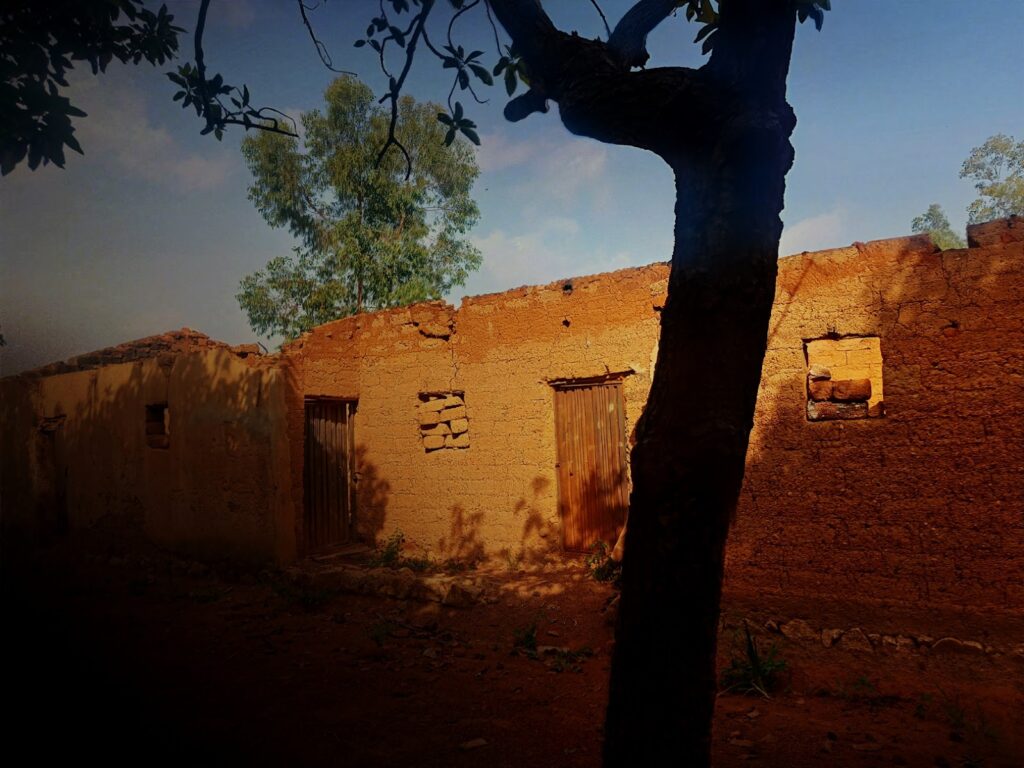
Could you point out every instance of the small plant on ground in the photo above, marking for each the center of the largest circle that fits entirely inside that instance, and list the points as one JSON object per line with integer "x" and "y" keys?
{"x": 600, "y": 564}
{"x": 524, "y": 640}
{"x": 566, "y": 659}
{"x": 389, "y": 555}
{"x": 514, "y": 562}
{"x": 304, "y": 595}
{"x": 752, "y": 672}
{"x": 380, "y": 631}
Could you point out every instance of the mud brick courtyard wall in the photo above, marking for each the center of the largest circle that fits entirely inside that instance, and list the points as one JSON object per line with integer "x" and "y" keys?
{"x": 176, "y": 435}
{"x": 913, "y": 498}
{"x": 885, "y": 475}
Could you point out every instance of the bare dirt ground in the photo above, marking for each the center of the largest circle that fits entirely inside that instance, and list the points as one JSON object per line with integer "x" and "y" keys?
{"x": 136, "y": 659}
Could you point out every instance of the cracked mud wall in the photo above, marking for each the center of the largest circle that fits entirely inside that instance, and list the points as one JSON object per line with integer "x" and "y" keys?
{"x": 502, "y": 352}
{"x": 918, "y": 514}
{"x": 920, "y": 509}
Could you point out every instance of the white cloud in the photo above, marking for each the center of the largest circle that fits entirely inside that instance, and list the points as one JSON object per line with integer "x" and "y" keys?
{"x": 118, "y": 128}
{"x": 550, "y": 249}
{"x": 813, "y": 234}
{"x": 497, "y": 152}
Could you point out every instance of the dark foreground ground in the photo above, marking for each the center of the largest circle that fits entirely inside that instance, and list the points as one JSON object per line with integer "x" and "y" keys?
{"x": 117, "y": 659}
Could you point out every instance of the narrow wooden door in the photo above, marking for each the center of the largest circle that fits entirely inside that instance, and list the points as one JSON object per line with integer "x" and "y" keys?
{"x": 329, "y": 472}
{"x": 592, "y": 482}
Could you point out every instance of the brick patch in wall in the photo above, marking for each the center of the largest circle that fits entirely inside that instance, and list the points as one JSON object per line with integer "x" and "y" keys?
{"x": 443, "y": 420}
{"x": 844, "y": 378}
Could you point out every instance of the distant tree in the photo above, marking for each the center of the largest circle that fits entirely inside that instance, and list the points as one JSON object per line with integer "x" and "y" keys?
{"x": 39, "y": 43}
{"x": 370, "y": 236}
{"x": 997, "y": 169}
{"x": 934, "y": 222}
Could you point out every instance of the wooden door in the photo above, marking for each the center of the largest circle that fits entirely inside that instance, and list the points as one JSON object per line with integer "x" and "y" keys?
{"x": 329, "y": 472}
{"x": 593, "y": 495}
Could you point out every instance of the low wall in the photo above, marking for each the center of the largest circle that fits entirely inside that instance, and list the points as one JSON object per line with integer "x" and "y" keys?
{"x": 187, "y": 441}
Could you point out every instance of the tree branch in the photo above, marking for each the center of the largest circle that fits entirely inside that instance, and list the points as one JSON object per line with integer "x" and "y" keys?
{"x": 629, "y": 39}
{"x": 321, "y": 49}
{"x": 661, "y": 110}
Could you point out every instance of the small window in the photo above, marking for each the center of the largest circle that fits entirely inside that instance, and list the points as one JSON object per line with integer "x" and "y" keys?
{"x": 443, "y": 420}
{"x": 158, "y": 426}
{"x": 844, "y": 378}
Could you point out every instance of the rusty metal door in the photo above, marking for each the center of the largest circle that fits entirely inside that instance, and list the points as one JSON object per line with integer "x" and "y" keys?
{"x": 593, "y": 495}
{"x": 329, "y": 472}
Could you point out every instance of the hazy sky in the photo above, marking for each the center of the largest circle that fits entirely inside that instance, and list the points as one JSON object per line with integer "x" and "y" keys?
{"x": 152, "y": 230}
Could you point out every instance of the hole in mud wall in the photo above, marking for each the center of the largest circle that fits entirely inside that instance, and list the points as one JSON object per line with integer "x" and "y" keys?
{"x": 443, "y": 421}
{"x": 844, "y": 378}
{"x": 158, "y": 426}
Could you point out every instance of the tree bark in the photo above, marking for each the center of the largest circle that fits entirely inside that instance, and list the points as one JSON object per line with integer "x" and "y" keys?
{"x": 724, "y": 129}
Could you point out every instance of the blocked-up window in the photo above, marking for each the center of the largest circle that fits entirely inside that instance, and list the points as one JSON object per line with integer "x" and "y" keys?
{"x": 443, "y": 420}
{"x": 844, "y": 378}
{"x": 158, "y": 426}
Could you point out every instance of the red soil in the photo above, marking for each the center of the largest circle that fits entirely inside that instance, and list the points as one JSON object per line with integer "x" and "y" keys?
{"x": 151, "y": 660}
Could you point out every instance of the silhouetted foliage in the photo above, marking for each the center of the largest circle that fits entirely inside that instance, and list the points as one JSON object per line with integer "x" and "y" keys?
{"x": 39, "y": 44}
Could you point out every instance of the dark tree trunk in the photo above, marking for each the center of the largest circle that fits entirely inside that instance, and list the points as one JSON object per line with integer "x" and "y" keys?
{"x": 724, "y": 129}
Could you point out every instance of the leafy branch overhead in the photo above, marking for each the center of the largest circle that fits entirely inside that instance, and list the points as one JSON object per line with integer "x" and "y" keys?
{"x": 40, "y": 42}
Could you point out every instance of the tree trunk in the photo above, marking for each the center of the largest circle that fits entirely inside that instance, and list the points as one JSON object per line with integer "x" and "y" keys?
{"x": 688, "y": 462}
{"x": 724, "y": 129}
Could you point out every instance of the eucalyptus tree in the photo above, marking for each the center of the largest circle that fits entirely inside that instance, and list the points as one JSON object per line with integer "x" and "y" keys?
{"x": 370, "y": 235}
{"x": 935, "y": 223}
{"x": 997, "y": 169}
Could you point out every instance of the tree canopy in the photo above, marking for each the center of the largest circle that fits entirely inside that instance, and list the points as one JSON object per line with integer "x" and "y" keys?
{"x": 370, "y": 237}
{"x": 997, "y": 169}
{"x": 934, "y": 222}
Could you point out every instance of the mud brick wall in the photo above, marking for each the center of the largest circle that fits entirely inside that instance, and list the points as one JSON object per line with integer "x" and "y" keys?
{"x": 923, "y": 508}
{"x": 914, "y": 501}
{"x": 79, "y": 449}
{"x": 502, "y": 354}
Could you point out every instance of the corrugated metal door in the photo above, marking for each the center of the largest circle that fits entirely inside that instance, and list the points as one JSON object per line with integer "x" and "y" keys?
{"x": 591, "y": 433}
{"x": 329, "y": 472}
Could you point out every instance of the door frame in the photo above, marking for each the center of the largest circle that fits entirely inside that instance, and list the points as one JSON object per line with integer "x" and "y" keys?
{"x": 617, "y": 381}
{"x": 348, "y": 526}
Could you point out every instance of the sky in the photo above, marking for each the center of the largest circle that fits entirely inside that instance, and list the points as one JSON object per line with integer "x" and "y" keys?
{"x": 152, "y": 229}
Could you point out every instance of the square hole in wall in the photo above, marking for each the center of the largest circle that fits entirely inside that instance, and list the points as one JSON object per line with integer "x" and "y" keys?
{"x": 158, "y": 426}
{"x": 443, "y": 420}
{"x": 844, "y": 378}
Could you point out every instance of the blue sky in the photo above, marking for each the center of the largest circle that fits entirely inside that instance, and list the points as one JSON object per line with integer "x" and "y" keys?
{"x": 152, "y": 229}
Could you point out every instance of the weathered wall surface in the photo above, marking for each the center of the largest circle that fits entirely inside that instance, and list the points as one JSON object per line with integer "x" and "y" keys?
{"x": 502, "y": 352}
{"x": 889, "y": 490}
{"x": 920, "y": 504}
{"x": 76, "y": 449}
{"x": 923, "y": 508}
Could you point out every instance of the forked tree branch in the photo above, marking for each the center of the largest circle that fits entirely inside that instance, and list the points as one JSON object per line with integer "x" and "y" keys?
{"x": 628, "y": 40}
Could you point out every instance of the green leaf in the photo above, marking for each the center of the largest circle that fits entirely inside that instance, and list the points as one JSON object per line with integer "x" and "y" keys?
{"x": 510, "y": 81}
{"x": 482, "y": 74}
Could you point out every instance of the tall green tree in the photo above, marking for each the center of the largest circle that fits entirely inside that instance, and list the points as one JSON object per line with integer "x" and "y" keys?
{"x": 370, "y": 236}
{"x": 997, "y": 169}
{"x": 934, "y": 222}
